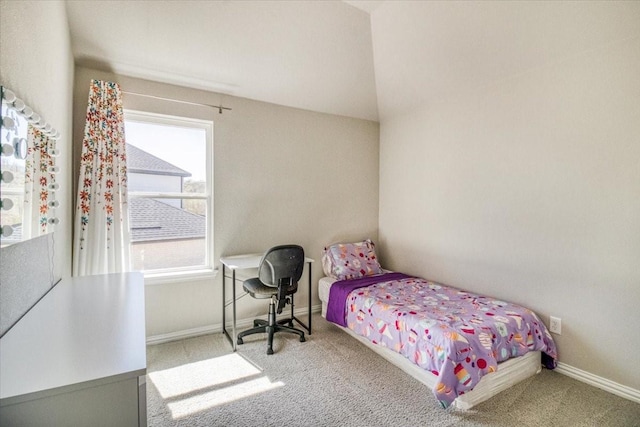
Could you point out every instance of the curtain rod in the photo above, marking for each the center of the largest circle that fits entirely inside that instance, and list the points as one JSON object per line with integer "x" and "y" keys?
{"x": 219, "y": 107}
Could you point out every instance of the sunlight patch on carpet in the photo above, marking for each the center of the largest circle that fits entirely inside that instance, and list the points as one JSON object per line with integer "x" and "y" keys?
{"x": 195, "y": 387}
{"x": 207, "y": 400}
{"x": 185, "y": 379}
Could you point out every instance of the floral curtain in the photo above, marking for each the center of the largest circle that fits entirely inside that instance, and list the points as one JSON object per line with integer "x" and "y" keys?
{"x": 40, "y": 184}
{"x": 101, "y": 238}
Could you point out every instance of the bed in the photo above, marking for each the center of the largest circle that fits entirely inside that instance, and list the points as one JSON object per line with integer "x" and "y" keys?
{"x": 465, "y": 347}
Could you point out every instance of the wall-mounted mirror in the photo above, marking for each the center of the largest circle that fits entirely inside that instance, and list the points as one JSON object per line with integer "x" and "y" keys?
{"x": 27, "y": 172}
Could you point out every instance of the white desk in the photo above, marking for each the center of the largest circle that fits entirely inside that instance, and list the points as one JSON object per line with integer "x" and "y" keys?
{"x": 242, "y": 262}
{"x": 78, "y": 357}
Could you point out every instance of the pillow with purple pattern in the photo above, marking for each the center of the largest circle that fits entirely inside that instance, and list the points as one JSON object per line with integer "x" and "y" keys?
{"x": 351, "y": 260}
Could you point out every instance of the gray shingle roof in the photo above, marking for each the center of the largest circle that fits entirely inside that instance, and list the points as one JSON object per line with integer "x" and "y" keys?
{"x": 151, "y": 220}
{"x": 139, "y": 161}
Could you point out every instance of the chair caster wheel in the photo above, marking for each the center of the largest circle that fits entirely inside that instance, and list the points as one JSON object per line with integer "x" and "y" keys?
{"x": 269, "y": 351}
{"x": 240, "y": 341}
{"x": 302, "y": 339}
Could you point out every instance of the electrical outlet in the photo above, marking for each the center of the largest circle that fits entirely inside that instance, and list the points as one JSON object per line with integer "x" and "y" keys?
{"x": 555, "y": 325}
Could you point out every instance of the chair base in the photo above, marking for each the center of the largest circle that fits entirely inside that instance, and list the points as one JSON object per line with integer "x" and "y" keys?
{"x": 270, "y": 327}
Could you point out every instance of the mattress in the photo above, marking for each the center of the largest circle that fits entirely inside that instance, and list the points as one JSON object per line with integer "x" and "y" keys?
{"x": 509, "y": 373}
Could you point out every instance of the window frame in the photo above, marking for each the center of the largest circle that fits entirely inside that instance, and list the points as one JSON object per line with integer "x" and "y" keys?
{"x": 180, "y": 274}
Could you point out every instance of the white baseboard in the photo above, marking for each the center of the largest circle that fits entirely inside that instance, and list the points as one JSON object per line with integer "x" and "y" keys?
{"x": 187, "y": 333}
{"x": 217, "y": 328}
{"x": 599, "y": 382}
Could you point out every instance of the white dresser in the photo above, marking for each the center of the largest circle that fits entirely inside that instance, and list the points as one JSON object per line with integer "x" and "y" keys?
{"x": 78, "y": 357}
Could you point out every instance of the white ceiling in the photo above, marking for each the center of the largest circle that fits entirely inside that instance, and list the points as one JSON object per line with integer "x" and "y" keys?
{"x": 363, "y": 59}
{"x": 315, "y": 55}
{"x": 365, "y": 5}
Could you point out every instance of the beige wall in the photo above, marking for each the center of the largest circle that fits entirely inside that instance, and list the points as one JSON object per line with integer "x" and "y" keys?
{"x": 280, "y": 175}
{"x": 528, "y": 189}
{"x": 38, "y": 67}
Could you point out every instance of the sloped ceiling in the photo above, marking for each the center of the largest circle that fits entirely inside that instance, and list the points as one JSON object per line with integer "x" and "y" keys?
{"x": 366, "y": 5}
{"x": 314, "y": 55}
{"x": 321, "y": 55}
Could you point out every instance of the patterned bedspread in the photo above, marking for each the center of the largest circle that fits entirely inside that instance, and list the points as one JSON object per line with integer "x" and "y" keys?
{"x": 458, "y": 336}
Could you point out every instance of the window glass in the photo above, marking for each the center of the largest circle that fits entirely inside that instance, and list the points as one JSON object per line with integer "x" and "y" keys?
{"x": 168, "y": 162}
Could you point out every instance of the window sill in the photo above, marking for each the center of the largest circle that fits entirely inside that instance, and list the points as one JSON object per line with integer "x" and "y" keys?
{"x": 180, "y": 276}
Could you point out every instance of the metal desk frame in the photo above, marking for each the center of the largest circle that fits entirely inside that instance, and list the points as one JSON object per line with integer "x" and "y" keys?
{"x": 247, "y": 261}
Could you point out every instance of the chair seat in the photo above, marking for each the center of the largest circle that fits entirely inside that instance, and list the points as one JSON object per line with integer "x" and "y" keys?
{"x": 257, "y": 289}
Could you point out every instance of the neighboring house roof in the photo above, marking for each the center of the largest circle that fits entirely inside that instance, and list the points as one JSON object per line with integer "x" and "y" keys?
{"x": 139, "y": 161}
{"x": 152, "y": 220}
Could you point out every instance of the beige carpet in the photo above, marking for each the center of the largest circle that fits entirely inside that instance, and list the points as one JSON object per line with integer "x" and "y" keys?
{"x": 332, "y": 380}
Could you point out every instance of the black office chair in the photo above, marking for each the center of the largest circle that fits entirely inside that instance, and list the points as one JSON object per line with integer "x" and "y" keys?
{"x": 278, "y": 275}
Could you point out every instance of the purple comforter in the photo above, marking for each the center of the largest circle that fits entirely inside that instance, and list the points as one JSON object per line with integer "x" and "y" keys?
{"x": 458, "y": 336}
{"x": 336, "y": 307}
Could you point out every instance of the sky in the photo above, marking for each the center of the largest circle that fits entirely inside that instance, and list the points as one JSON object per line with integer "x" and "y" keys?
{"x": 180, "y": 146}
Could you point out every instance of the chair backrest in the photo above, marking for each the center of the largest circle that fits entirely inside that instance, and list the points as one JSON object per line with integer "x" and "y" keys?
{"x": 284, "y": 262}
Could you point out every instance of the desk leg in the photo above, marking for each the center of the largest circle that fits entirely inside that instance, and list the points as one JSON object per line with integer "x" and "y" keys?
{"x": 307, "y": 327}
{"x": 309, "y": 298}
{"x": 224, "y": 305}
{"x": 233, "y": 292}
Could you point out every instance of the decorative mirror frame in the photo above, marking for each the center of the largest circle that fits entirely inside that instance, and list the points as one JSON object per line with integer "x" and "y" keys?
{"x": 28, "y": 170}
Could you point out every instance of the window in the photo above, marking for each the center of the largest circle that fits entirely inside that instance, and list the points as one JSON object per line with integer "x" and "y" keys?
{"x": 169, "y": 167}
